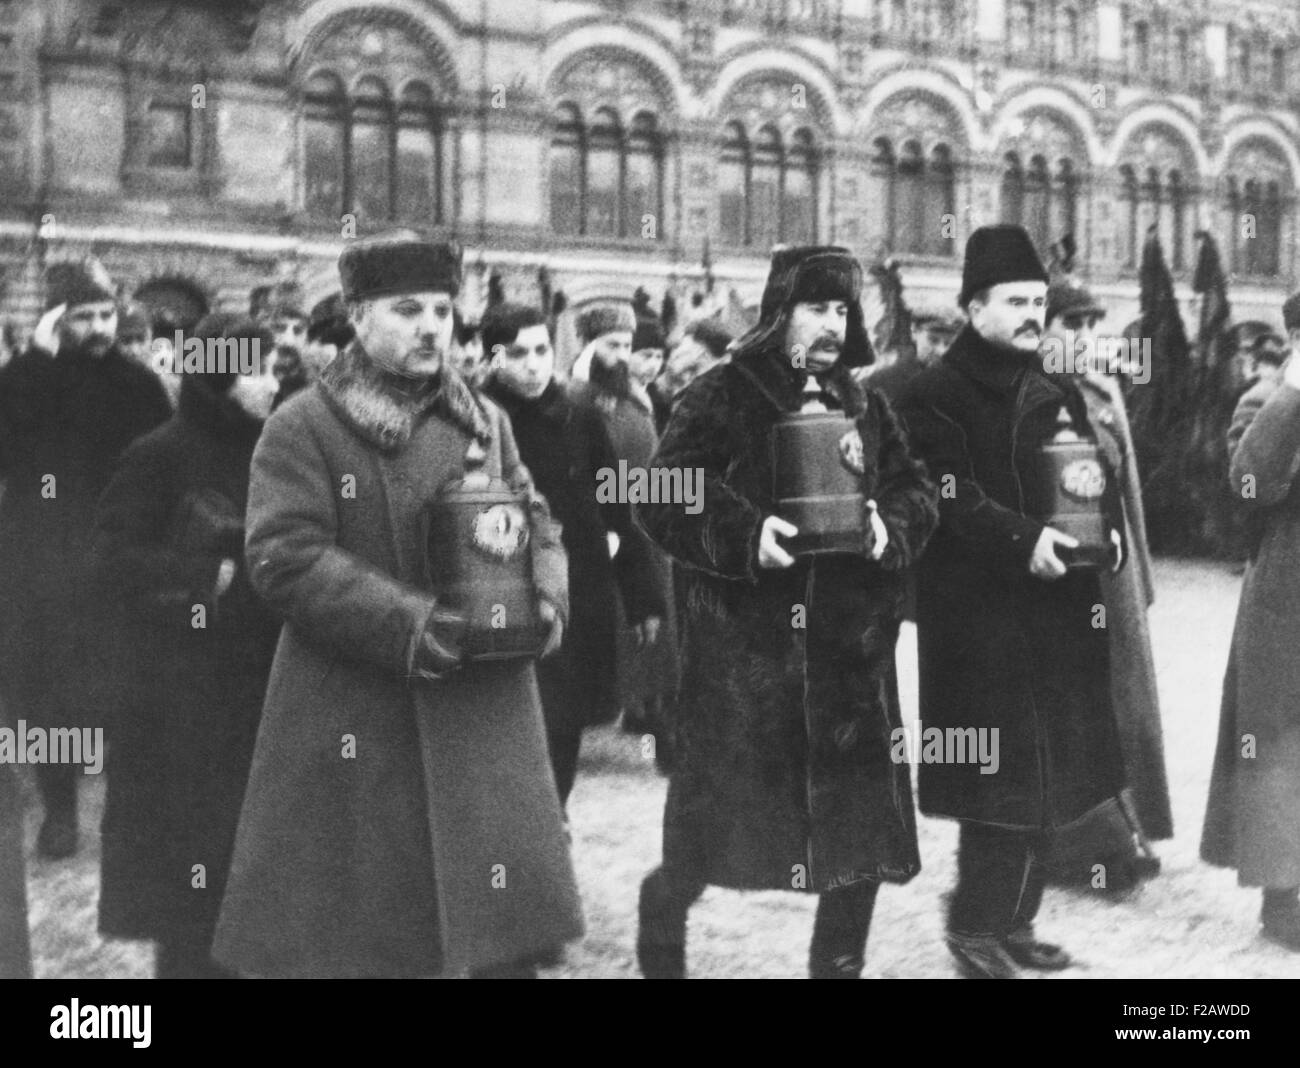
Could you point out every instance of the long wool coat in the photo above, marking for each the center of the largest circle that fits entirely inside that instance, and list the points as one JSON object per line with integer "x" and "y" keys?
{"x": 15, "y": 943}
{"x": 191, "y": 697}
{"x": 69, "y": 417}
{"x": 1252, "y": 821}
{"x": 564, "y": 443}
{"x": 1128, "y": 595}
{"x": 998, "y": 648}
{"x": 393, "y": 825}
{"x": 644, "y": 672}
{"x": 789, "y": 699}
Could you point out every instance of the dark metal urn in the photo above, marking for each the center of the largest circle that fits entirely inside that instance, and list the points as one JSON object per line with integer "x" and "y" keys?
{"x": 817, "y": 478}
{"x": 481, "y": 564}
{"x": 1070, "y": 479}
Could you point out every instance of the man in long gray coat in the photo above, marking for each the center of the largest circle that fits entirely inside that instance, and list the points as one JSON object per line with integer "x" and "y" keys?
{"x": 401, "y": 818}
{"x": 1252, "y": 821}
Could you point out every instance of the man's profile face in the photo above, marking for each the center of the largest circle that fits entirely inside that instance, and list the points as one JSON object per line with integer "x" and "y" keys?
{"x": 816, "y": 333}
{"x": 688, "y": 360}
{"x": 1010, "y": 315}
{"x": 406, "y": 333}
{"x": 525, "y": 366}
{"x": 89, "y": 329}
{"x": 612, "y": 348}
{"x": 932, "y": 341}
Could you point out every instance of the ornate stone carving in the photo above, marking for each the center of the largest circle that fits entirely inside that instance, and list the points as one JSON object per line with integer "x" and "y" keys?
{"x": 1042, "y": 132}
{"x": 611, "y": 77}
{"x": 1155, "y": 146}
{"x": 917, "y": 116}
{"x": 781, "y": 100}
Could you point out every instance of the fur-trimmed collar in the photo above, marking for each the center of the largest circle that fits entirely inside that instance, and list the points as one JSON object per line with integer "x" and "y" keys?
{"x": 383, "y": 408}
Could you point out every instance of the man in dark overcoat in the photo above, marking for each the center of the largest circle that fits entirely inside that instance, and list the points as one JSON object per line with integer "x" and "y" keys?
{"x": 783, "y": 777}
{"x": 401, "y": 818}
{"x": 1009, "y": 644}
{"x": 69, "y": 406}
{"x": 565, "y": 445}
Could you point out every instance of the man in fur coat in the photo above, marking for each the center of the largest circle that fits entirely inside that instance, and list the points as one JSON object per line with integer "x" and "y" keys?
{"x": 783, "y": 776}
{"x": 69, "y": 406}
{"x": 401, "y": 818}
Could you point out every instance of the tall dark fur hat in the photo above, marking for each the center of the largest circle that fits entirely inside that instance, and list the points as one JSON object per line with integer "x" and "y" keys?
{"x": 399, "y": 262}
{"x": 998, "y": 254}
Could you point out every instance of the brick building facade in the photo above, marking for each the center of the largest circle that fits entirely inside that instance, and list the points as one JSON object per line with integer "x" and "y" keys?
{"x": 202, "y": 148}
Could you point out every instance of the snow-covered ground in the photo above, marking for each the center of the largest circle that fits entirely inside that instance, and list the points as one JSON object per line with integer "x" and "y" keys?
{"x": 1191, "y": 922}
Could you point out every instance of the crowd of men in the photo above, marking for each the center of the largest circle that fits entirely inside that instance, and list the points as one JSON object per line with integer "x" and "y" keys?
{"x": 315, "y": 768}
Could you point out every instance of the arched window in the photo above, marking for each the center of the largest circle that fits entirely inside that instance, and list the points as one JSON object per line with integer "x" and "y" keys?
{"x": 324, "y": 146}
{"x": 1037, "y": 211}
{"x": 799, "y": 197}
{"x": 1066, "y": 201}
{"x": 1245, "y": 71}
{"x": 882, "y": 180}
{"x": 419, "y": 195}
{"x": 1129, "y": 216}
{"x": 1260, "y": 198}
{"x": 605, "y": 179}
{"x": 767, "y": 190}
{"x": 940, "y": 206}
{"x": 1178, "y": 221}
{"x": 1278, "y": 73}
{"x": 1067, "y": 41}
{"x": 910, "y": 223}
{"x": 604, "y": 174}
{"x": 642, "y": 194}
{"x": 915, "y": 193}
{"x": 371, "y": 161}
{"x": 1013, "y": 189}
{"x": 733, "y": 170}
{"x": 566, "y": 170}
{"x": 365, "y": 154}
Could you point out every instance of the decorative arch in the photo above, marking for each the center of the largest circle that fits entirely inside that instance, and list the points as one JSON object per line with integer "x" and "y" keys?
{"x": 787, "y": 68}
{"x": 638, "y": 48}
{"x": 1167, "y": 115}
{"x": 1071, "y": 120}
{"x": 375, "y": 89}
{"x": 1258, "y": 182}
{"x": 612, "y": 76}
{"x": 427, "y": 25}
{"x": 1158, "y": 171}
{"x": 930, "y": 86}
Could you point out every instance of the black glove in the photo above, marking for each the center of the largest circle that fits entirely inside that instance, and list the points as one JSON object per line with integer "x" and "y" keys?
{"x": 439, "y": 652}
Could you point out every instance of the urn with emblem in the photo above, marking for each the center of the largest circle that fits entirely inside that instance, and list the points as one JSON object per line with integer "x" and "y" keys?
{"x": 1070, "y": 481}
{"x": 817, "y": 468}
{"x": 480, "y": 564}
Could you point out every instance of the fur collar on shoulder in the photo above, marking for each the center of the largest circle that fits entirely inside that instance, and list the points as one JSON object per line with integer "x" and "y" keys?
{"x": 383, "y": 409}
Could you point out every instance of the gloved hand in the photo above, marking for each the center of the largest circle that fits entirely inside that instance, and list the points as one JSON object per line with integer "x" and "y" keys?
{"x": 439, "y": 652}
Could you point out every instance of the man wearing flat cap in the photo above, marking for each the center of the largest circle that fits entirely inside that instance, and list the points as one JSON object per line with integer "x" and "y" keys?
{"x": 1008, "y": 644}
{"x": 69, "y": 406}
{"x": 933, "y": 330}
{"x": 401, "y": 818}
{"x": 783, "y": 777}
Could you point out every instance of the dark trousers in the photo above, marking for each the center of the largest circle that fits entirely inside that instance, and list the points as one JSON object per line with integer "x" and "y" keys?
{"x": 1000, "y": 877}
{"x": 840, "y": 928}
{"x": 58, "y": 787}
{"x": 188, "y": 957}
